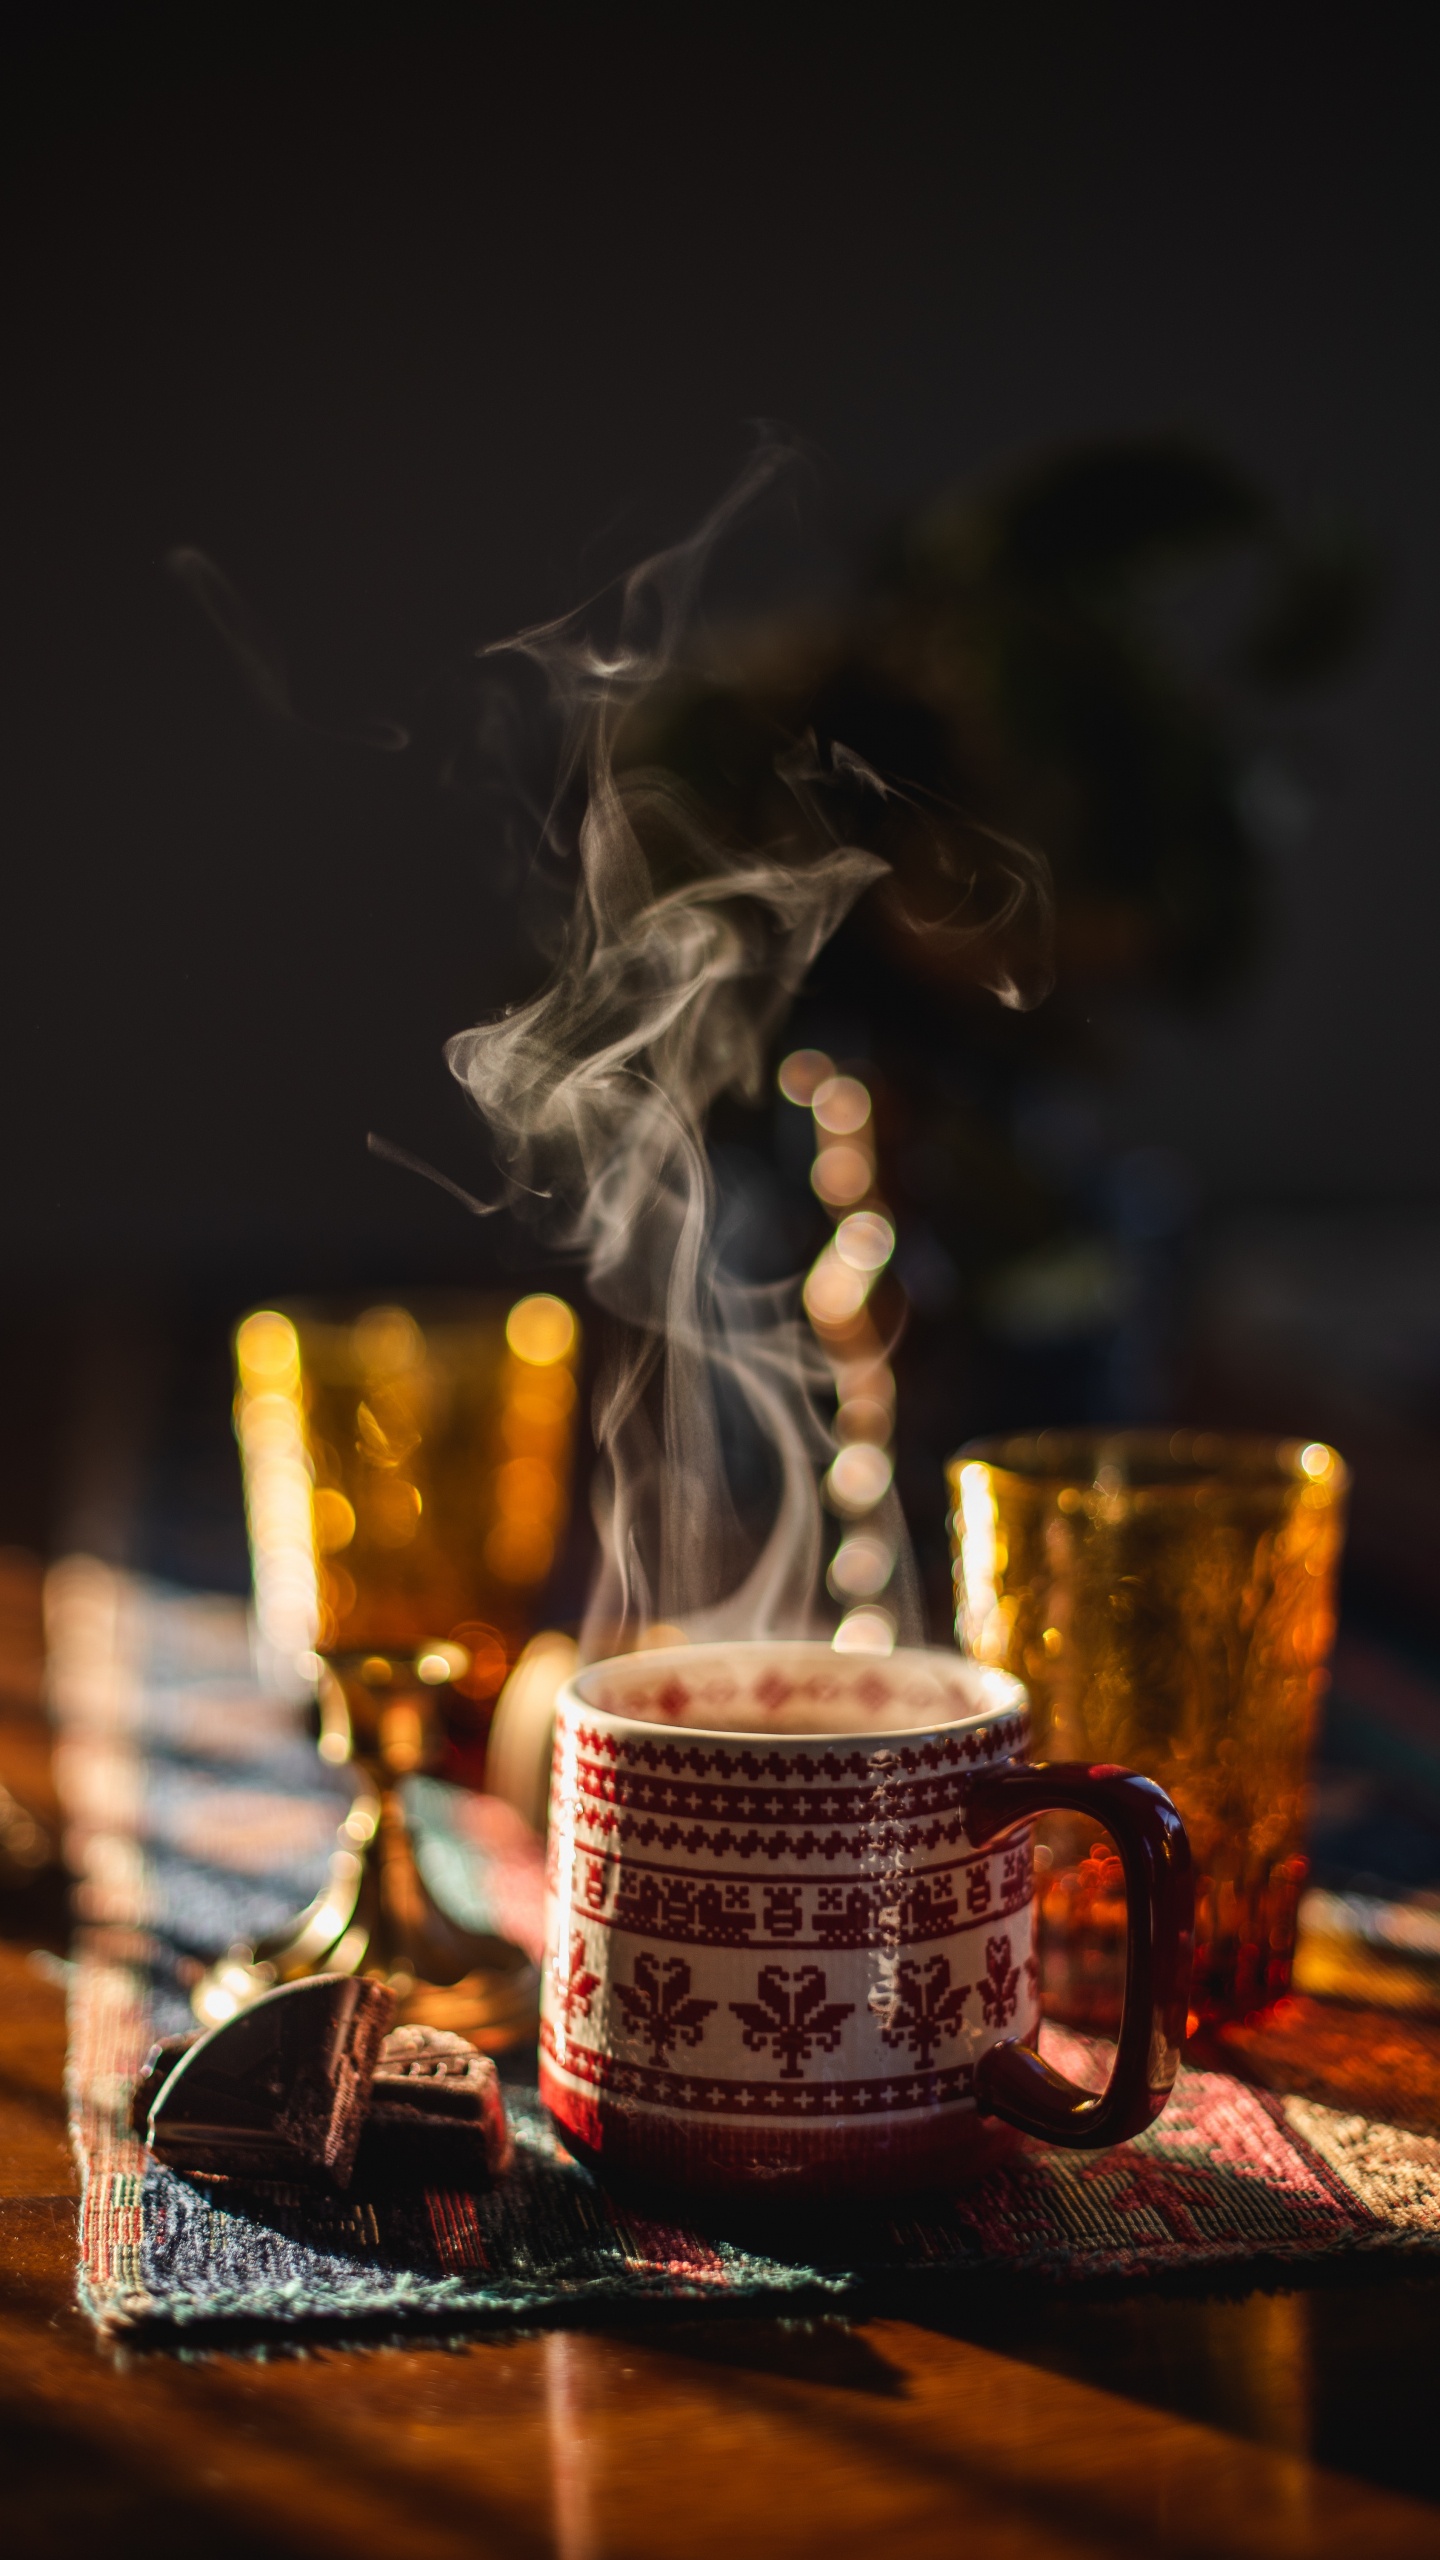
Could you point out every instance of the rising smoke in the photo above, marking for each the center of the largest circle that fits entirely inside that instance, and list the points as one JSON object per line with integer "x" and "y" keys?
{"x": 680, "y": 951}
{"x": 681, "y": 954}
{"x": 680, "y": 957}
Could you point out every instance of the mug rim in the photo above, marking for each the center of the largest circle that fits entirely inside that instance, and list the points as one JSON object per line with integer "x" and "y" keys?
{"x": 1017, "y": 1702}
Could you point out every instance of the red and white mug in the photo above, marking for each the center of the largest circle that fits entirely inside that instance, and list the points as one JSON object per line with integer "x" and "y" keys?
{"x": 789, "y": 1932}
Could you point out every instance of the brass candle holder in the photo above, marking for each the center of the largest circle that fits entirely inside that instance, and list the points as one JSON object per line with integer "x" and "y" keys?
{"x": 407, "y": 1477}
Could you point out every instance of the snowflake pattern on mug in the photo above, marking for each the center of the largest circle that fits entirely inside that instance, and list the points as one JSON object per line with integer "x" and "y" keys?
{"x": 999, "y": 1992}
{"x": 660, "y": 2007}
{"x": 925, "y": 2008}
{"x": 792, "y": 2024}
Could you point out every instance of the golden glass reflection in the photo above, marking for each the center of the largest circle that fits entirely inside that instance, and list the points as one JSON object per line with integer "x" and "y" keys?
{"x": 407, "y": 1480}
{"x": 334, "y": 1519}
{"x": 519, "y": 1550}
{"x": 269, "y": 1425}
{"x": 267, "y": 1351}
{"x": 541, "y": 1330}
{"x": 1169, "y": 1602}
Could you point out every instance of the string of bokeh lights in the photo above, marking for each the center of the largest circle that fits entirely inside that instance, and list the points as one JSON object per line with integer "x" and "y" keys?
{"x": 838, "y": 1295}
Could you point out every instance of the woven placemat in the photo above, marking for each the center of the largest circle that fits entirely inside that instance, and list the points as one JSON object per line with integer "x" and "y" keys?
{"x": 198, "y": 1814}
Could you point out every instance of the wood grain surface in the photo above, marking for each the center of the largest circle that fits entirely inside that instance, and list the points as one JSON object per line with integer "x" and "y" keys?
{"x": 1029, "y": 2426}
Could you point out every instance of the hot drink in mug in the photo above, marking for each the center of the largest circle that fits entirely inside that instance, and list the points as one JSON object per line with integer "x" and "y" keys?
{"x": 789, "y": 1937}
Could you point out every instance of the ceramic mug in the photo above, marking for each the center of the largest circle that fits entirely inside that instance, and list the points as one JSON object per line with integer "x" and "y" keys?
{"x": 790, "y": 1916}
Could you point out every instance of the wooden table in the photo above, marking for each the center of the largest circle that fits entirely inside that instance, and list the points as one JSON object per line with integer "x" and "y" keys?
{"x": 1272, "y": 2424}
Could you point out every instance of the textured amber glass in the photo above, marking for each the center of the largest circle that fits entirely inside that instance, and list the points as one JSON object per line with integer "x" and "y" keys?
{"x": 437, "y": 1441}
{"x": 1169, "y": 1602}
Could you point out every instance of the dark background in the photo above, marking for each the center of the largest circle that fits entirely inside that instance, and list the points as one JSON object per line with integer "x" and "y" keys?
{"x": 421, "y": 323}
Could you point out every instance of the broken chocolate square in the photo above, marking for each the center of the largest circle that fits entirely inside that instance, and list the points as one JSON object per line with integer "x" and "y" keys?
{"x": 280, "y": 2091}
{"x": 436, "y": 2108}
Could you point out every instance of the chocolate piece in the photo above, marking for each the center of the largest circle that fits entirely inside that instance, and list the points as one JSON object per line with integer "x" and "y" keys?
{"x": 281, "y": 2090}
{"x": 436, "y": 2108}
{"x": 155, "y": 2070}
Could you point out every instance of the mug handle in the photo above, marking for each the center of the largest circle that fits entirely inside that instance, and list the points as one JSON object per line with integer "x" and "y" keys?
{"x": 1011, "y": 2081}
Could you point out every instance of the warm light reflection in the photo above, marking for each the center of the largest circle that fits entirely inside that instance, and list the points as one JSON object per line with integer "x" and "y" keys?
{"x": 526, "y": 1489}
{"x": 865, "y": 1240}
{"x": 519, "y": 1550}
{"x": 841, "y": 1106}
{"x": 836, "y": 1298}
{"x": 834, "y": 1293}
{"x": 441, "y": 1662}
{"x": 841, "y": 1175}
{"x": 663, "y": 1633}
{"x": 487, "y": 1659}
{"x": 802, "y": 1072}
{"x": 861, "y": 1566}
{"x": 868, "y": 1378}
{"x": 267, "y": 1352}
{"x": 541, "y": 1330}
{"x": 393, "y": 1511}
{"x": 864, "y": 1418}
{"x": 334, "y": 1520}
{"x": 982, "y": 1616}
{"x": 535, "y": 1422}
{"x": 269, "y": 1425}
{"x": 387, "y": 1342}
{"x": 859, "y": 1477}
{"x": 867, "y": 1630}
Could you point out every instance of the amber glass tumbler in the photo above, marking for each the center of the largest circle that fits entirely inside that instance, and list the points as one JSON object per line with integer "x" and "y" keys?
{"x": 1168, "y": 1599}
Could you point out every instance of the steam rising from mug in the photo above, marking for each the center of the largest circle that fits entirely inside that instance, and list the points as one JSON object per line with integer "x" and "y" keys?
{"x": 679, "y": 958}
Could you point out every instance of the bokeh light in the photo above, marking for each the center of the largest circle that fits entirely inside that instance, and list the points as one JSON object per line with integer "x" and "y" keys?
{"x": 834, "y": 1293}
{"x": 441, "y": 1662}
{"x": 519, "y": 1550}
{"x": 334, "y": 1520}
{"x": 864, "y": 1418}
{"x": 802, "y": 1072}
{"x": 867, "y": 1630}
{"x": 269, "y": 1425}
{"x": 865, "y": 1240}
{"x": 861, "y": 1566}
{"x": 841, "y": 1105}
{"x": 841, "y": 1175}
{"x": 267, "y": 1351}
{"x": 859, "y": 1477}
{"x": 488, "y": 1659}
{"x": 387, "y": 1342}
{"x": 541, "y": 1330}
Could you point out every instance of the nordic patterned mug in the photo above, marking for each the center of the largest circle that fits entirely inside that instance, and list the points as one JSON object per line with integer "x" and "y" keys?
{"x": 789, "y": 1923}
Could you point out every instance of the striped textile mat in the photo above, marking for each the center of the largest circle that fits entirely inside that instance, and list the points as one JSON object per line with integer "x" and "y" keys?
{"x": 198, "y": 1814}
